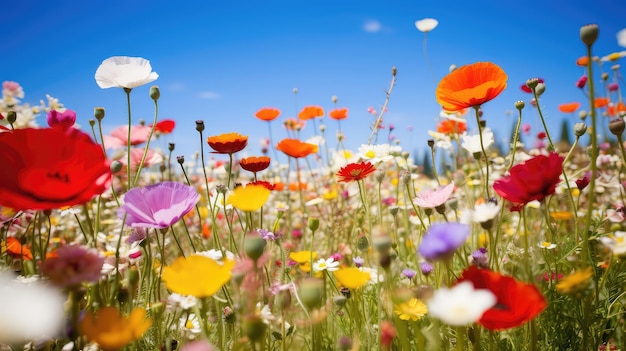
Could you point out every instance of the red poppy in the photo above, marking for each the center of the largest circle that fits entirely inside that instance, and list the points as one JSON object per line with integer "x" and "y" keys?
{"x": 531, "y": 180}
{"x": 310, "y": 112}
{"x": 267, "y": 114}
{"x": 228, "y": 143}
{"x": 296, "y": 148}
{"x": 16, "y": 250}
{"x": 569, "y": 107}
{"x": 355, "y": 171}
{"x": 448, "y": 126}
{"x": 526, "y": 89}
{"x": 255, "y": 164}
{"x": 516, "y": 302}
{"x": 165, "y": 126}
{"x": 339, "y": 113}
{"x": 601, "y": 102}
{"x": 50, "y": 168}
{"x": 471, "y": 86}
{"x": 267, "y": 185}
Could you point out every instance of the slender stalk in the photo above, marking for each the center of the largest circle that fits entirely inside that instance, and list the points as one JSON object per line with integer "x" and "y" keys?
{"x": 130, "y": 123}
{"x": 145, "y": 150}
{"x": 482, "y": 147}
{"x": 382, "y": 110}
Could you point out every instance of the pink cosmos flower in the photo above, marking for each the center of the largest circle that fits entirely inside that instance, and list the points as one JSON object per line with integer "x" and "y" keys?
{"x": 119, "y": 136}
{"x": 63, "y": 120}
{"x": 159, "y": 205}
{"x": 72, "y": 266}
{"x": 434, "y": 198}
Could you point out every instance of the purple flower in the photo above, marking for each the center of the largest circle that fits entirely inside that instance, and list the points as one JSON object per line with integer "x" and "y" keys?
{"x": 426, "y": 268}
{"x": 73, "y": 265}
{"x": 442, "y": 239}
{"x": 409, "y": 273}
{"x": 479, "y": 258}
{"x": 358, "y": 261}
{"x": 266, "y": 234}
{"x": 159, "y": 205}
{"x": 336, "y": 256}
{"x": 64, "y": 119}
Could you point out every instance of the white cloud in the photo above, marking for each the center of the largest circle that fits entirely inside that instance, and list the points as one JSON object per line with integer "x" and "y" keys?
{"x": 208, "y": 95}
{"x": 176, "y": 86}
{"x": 372, "y": 26}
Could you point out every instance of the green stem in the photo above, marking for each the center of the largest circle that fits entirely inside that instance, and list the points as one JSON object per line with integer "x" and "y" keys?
{"x": 145, "y": 150}
{"x": 482, "y": 147}
{"x": 130, "y": 122}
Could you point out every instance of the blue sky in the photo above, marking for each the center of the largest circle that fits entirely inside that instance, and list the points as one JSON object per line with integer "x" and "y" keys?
{"x": 222, "y": 61}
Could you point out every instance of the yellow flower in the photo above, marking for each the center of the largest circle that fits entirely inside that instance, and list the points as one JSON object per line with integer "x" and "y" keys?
{"x": 576, "y": 282}
{"x": 330, "y": 195}
{"x": 413, "y": 309}
{"x": 248, "y": 198}
{"x": 197, "y": 275}
{"x": 352, "y": 278}
{"x": 564, "y": 215}
{"x": 111, "y": 330}
{"x": 302, "y": 257}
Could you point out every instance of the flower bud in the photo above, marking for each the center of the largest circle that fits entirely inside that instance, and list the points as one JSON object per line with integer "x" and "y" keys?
{"x": 540, "y": 89}
{"x": 616, "y": 126}
{"x": 382, "y": 243}
{"x": 254, "y": 328}
{"x": 63, "y": 120}
{"x": 314, "y": 224}
{"x": 589, "y": 34}
{"x": 339, "y": 300}
{"x": 295, "y": 90}
{"x": 344, "y": 343}
{"x": 92, "y": 122}
{"x": 334, "y": 99}
{"x": 283, "y": 299}
{"x": 116, "y": 166}
{"x": 580, "y": 129}
{"x": 229, "y": 315}
{"x": 311, "y": 292}
{"x": 133, "y": 277}
{"x": 379, "y": 175}
{"x": 452, "y": 68}
{"x": 362, "y": 243}
{"x": 200, "y": 125}
{"x": 11, "y": 116}
{"x": 604, "y": 76}
{"x": 155, "y": 93}
{"x": 582, "y": 114}
{"x": 171, "y": 146}
{"x": 431, "y": 143}
{"x": 98, "y": 112}
{"x": 520, "y": 105}
{"x": 394, "y": 71}
{"x": 394, "y": 210}
{"x": 532, "y": 83}
{"x": 254, "y": 246}
{"x": 180, "y": 159}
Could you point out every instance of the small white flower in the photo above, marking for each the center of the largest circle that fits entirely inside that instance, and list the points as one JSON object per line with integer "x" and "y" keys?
{"x": 451, "y": 305}
{"x": 375, "y": 153}
{"x": 176, "y": 301}
{"x": 485, "y": 212}
{"x": 616, "y": 242}
{"x": 426, "y": 25}
{"x": 325, "y": 264}
{"x": 124, "y": 72}
{"x": 546, "y": 245}
{"x": 216, "y": 255}
{"x": 190, "y": 326}
{"x": 471, "y": 143}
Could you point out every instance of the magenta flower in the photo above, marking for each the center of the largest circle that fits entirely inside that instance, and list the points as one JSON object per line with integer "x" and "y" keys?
{"x": 159, "y": 205}
{"x": 582, "y": 81}
{"x": 442, "y": 239}
{"x": 63, "y": 120}
{"x": 434, "y": 198}
{"x": 72, "y": 266}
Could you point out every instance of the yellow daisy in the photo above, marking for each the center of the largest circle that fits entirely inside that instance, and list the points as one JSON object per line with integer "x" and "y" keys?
{"x": 413, "y": 309}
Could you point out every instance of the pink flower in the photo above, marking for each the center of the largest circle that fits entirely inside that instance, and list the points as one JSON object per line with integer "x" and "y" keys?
{"x": 613, "y": 87}
{"x": 63, "y": 120}
{"x": 582, "y": 81}
{"x": 200, "y": 345}
{"x": 72, "y": 266}
{"x": 526, "y": 128}
{"x": 152, "y": 158}
{"x": 119, "y": 136}
{"x": 434, "y": 198}
{"x": 371, "y": 110}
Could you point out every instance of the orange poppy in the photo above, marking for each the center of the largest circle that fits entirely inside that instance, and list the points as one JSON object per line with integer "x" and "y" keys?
{"x": 471, "y": 86}
{"x": 297, "y": 186}
{"x": 294, "y": 124}
{"x": 255, "y": 164}
{"x": 449, "y": 126}
{"x": 17, "y": 250}
{"x": 228, "y": 143}
{"x": 310, "y": 112}
{"x": 339, "y": 113}
{"x": 601, "y": 102}
{"x": 267, "y": 114}
{"x": 614, "y": 109}
{"x": 569, "y": 107}
{"x": 296, "y": 148}
{"x": 582, "y": 61}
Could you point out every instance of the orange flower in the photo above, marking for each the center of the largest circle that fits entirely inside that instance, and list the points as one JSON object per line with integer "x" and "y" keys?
{"x": 295, "y": 186}
{"x": 471, "y": 86}
{"x": 255, "y": 164}
{"x": 267, "y": 114}
{"x": 613, "y": 109}
{"x": 339, "y": 113}
{"x": 17, "y": 250}
{"x": 449, "y": 126}
{"x": 582, "y": 61}
{"x": 293, "y": 124}
{"x": 601, "y": 102}
{"x": 228, "y": 143}
{"x": 296, "y": 148}
{"x": 310, "y": 112}
{"x": 569, "y": 107}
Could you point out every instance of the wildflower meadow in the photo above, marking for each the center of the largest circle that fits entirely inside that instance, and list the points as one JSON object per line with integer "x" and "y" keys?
{"x": 110, "y": 243}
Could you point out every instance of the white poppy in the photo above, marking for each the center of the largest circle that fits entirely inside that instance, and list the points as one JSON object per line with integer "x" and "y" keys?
{"x": 451, "y": 307}
{"x": 124, "y": 72}
{"x": 471, "y": 143}
{"x": 426, "y": 25}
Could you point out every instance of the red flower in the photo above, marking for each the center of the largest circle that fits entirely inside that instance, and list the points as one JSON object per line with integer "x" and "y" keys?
{"x": 296, "y": 148}
{"x": 516, "y": 302}
{"x": 355, "y": 171}
{"x": 531, "y": 180}
{"x": 227, "y": 143}
{"x": 165, "y": 126}
{"x": 50, "y": 168}
{"x": 448, "y": 126}
{"x": 267, "y": 114}
{"x": 267, "y": 185}
{"x": 526, "y": 89}
{"x": 255, "y": 164}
